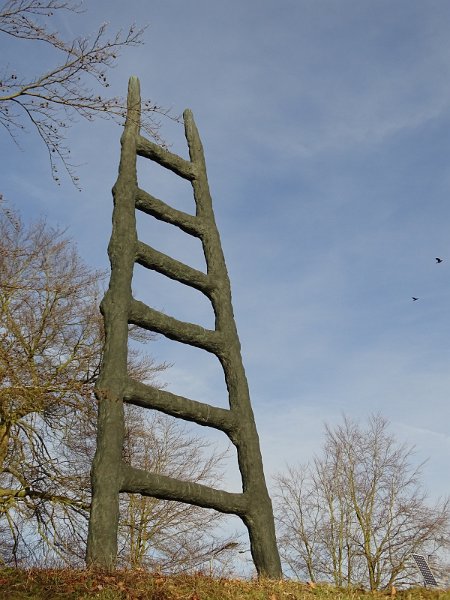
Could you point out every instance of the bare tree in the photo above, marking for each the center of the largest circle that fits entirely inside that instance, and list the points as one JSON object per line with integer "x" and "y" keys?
{"x": 49, "y": 352}
{"x": 357, "y": 512}
{"x": 51, "y": 340}
{"x": 50, "y": 100}
{"x": 299, "y": 518}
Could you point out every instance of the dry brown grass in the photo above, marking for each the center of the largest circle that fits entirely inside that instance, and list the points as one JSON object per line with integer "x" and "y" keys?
{"x": 64, "y": 584}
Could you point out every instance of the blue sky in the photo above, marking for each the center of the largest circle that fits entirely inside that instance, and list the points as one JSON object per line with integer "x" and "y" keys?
{"x": 326, "y": 129}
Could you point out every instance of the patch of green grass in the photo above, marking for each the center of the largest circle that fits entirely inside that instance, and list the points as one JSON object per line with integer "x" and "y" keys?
{"x": 65, "y": 584}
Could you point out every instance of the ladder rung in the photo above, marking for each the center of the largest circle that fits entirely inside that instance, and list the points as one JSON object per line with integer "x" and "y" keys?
{"x": 138, "y": 481}
{"x": 180, "y": 166}
{"x": 147, "y": 396}
{"x": 158, "y": 261}
{"x": 180, "y": 331}
{"x": 163, "y": 212}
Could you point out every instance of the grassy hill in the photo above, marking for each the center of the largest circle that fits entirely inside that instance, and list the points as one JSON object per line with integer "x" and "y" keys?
{"x": 63, "y": 584}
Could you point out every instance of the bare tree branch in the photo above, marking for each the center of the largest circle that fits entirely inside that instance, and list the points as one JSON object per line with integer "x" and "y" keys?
{"x": 51, "y": 101}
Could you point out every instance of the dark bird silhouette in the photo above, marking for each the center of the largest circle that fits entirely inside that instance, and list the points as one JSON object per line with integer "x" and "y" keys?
{"x": 414, "y": 299}
{"x": 438, "y": 260}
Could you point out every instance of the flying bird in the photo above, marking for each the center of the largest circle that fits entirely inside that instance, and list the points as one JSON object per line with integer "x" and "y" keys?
{"x": 438, "y": 260}
{"x": 414, "y": 299}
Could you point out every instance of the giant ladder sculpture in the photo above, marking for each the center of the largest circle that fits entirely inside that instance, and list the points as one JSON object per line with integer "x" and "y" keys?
{"x": 110, "y": 474}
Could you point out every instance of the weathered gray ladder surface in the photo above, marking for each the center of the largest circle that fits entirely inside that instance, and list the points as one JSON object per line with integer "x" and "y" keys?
{"x": 110, "y": 474}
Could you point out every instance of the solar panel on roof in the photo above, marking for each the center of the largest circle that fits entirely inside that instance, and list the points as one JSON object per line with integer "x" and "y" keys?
{"x": 424, "y": 568}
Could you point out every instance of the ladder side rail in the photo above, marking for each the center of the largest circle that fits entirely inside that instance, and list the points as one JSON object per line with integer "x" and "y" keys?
{"x": 106, "y": 473}
{"x": 259, "y": 515}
